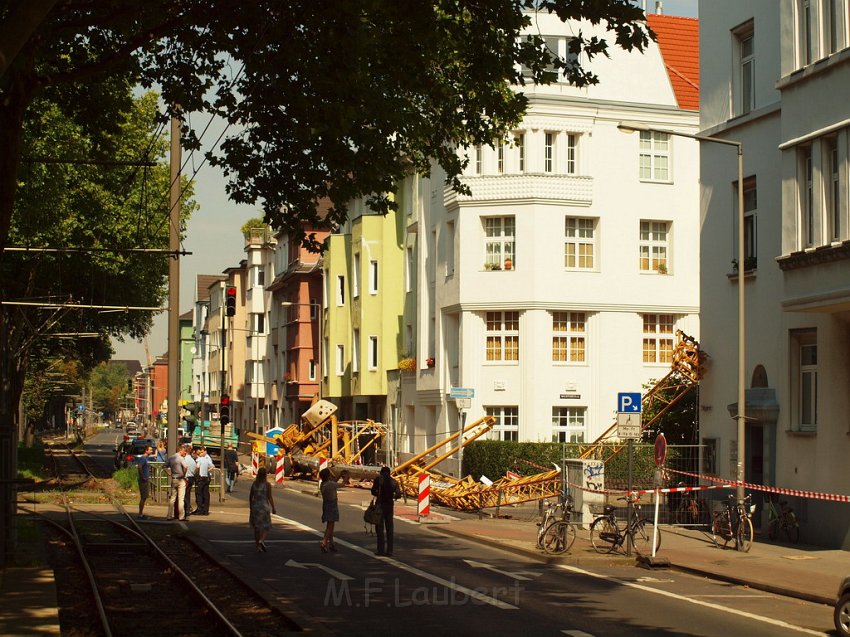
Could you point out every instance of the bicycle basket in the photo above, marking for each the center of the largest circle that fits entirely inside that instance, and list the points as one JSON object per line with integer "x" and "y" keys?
{"x": 609, "y": 509}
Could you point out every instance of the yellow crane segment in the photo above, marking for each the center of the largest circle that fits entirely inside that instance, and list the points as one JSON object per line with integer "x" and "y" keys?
{"x": 686, "y": 371}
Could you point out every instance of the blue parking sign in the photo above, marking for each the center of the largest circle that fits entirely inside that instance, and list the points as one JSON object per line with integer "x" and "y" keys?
{"x": 628, "y": 403}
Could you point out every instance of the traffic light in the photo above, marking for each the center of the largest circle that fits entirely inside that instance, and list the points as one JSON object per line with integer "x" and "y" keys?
{"x": 224, "y": 410}
{"x": 129, "y": 385}
{"x": 190, "y": 416}
{"x": 230, "y": 301}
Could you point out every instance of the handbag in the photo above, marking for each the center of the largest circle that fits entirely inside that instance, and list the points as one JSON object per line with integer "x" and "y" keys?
{"x": 373, "y": 513}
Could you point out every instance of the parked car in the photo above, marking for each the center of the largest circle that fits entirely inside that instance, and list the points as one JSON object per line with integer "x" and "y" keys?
{"x": 130, "y": 450}
{"x": 841, "y": 615}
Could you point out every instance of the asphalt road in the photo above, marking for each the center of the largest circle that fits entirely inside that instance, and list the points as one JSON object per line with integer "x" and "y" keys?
{"x": 436, "y": 584}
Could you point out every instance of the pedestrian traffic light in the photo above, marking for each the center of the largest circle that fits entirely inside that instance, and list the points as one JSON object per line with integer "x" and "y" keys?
{"x": 190, "y": 416}
{"x": 230, "y": 301}
{"x": 224, "y": 409}
{"x": 130, "y": 385}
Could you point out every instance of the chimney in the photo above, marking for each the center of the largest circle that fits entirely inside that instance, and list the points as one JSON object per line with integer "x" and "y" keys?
{"x": 659, "y": 7}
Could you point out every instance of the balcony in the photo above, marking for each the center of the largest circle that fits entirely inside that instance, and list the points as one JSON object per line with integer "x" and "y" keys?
{"x": 575, "y": 190}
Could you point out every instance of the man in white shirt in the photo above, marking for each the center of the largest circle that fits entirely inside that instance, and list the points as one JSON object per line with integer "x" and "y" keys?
{"x": 202, "y": 482}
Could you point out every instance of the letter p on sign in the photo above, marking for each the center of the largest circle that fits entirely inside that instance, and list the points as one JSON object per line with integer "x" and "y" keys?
{"x": 628, "y": 403}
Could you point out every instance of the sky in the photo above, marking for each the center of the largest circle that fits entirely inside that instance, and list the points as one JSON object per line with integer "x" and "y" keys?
{"x": 213, "y": 234}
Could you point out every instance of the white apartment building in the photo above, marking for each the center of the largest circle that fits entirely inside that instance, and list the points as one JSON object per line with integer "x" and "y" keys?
{"x": 562, "y": 279}
{"x": 776, "y": 77}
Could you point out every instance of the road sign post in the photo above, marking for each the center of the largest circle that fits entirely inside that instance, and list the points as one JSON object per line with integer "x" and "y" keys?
{"x": 629, "y": 428}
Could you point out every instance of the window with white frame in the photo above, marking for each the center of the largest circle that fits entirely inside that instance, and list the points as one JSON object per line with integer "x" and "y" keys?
{"x": 325, "y": 357}
{"x": 519, "y": 142}
{"x": 804, "y": 379}
{"x": 477, "y": 162}
{"x": 502, "y": 333}
{"x": 507, "y": 423}
{"x": 500, "y": 156}
{"x": 833, "y": 190}
{"x": 258, "y": 324}
{"x": 572, "y": 141}
{"x": 569, "y": 424}
{"x": 409, "y": 271}
{"x": 355, "y": 351}
{"x": 355, "y": 276}
{"x": 373, "y": 352}
{"x": 579, "y": 243}
{"x": 340, "y": 289}
{"x": 836, "y": 28}
{"x": 312, "y": 370}
{"x": 807, "y": 32}
{"x": 259, "y": 276}
{"x": 499, "y": 236}
{"x": 807, "y": 200}
{"x": 653, "y": 246}
{"x": 743, "y": 82}
{"x": 657, "y": 338}
{"x": 654, "y": 156}
{"x": 373, "y": 277}
{"x": 750, "y": 224}
{"x": 450, "y": 247}
{"x": 569, "y": 337}
{"x": 548, "y": 152}
{"x": 340, "y": 360}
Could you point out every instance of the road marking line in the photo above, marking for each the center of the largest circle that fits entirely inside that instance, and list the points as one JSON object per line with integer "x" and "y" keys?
{"x": 690, "y": 600}
{"x": 730, "y": 596}
{"x": 333, "y": 573}
{"x": 519, "y": 575}
{"x": 576, "y": 633}
{"x": 406, "y": 567}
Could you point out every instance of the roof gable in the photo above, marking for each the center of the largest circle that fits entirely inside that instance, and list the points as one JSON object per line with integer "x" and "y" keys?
{"x": 678, "y": 39}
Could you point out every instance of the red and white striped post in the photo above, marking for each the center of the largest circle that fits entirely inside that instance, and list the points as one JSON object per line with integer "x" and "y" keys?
{"x": 424, "y": 495}
{"x": 255, "y": 464}
{"x": 323, "y": 464}
{"x": 278, "y": 470}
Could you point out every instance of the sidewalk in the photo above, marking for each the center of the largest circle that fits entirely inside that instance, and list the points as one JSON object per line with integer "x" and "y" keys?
{"x": 803, "y": 572}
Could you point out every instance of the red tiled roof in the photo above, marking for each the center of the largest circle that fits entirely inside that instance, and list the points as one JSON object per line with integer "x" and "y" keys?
{"x": 678, "y": 39}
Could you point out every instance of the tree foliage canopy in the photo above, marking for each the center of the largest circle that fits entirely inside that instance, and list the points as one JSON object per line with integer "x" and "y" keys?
{"x": 327, "y": 98}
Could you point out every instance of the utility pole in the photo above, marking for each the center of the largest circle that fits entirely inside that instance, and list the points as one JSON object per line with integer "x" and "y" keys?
{"x": 174, "y": 289}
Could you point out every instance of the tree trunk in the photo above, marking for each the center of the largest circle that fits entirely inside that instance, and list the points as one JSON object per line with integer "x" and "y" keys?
{"x": 13, "y": 104}
{"x": 11, "y": 388}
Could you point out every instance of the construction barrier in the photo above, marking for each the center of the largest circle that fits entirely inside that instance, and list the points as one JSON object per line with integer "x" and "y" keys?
{"x": 255, "y": 464}
{"x": 424, "y": 494}
{"x": 279, "y": 470}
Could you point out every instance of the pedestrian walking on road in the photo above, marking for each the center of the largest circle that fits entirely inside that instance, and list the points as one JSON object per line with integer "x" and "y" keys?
{"x": 176, "y": 468}
{"x": 387, "y": 491}
{"x": 202, "y": 482}
{"x": 191, "y": 474}
{"x": 261, "y": 505}
{"x": 231, "y": 466}
{"x": 144, "y": 468}
{"x": 330, "y": 506}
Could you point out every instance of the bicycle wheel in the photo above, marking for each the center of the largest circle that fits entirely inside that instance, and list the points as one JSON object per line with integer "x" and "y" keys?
{"x": 791, "y": 526}
{"x": 683, "y": 513}
{"x": 604, "y": 535}
{"x": 771, "y": 528}
{"x": 559, "y": 537}
{"x": 744, "y": 535}
{"x": 720, "y": 529}
{"x": 642, "y": 537}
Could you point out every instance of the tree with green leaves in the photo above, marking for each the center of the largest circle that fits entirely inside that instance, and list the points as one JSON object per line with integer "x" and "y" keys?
{"x": 333, "y": 99}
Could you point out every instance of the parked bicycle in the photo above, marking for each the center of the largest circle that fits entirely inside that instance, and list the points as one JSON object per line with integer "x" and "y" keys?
{"x": 556, "y": 535}
{"x": 606, "y": 534}
{"x": 784, "y": 519}
{"x": 691, "y": 510}
{"x": 734, "y": 522}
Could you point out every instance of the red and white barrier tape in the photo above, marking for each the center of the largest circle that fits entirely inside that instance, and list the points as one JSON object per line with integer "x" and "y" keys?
{"x": 724, "y": 484}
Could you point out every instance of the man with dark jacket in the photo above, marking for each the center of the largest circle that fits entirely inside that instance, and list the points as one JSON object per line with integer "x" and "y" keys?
{"x": 387, "y": 491}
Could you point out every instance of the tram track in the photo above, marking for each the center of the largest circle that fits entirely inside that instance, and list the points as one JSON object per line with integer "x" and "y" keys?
{"x": 116, "y": 576}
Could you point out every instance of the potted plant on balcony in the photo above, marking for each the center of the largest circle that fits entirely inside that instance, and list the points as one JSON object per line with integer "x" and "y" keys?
{"x": 429, "y": 361}
{"x": 509, "y": 263}
{"x": 492, "y": 266}
{"x": 287, "y": 378}
{"x": 407, "y": 364}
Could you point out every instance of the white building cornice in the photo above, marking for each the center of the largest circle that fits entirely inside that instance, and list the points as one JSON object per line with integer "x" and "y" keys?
{"x": 570, "y": 189}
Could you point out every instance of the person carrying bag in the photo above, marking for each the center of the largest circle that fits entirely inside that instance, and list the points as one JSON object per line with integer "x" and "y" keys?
{"x": 386, "y": 492}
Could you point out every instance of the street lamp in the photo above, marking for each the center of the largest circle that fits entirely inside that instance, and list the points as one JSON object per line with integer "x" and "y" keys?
{"x": 321, "y": 366}
{"x": 630, "y": 127}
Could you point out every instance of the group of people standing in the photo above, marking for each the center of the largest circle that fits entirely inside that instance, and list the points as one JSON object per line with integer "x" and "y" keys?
{"x": 190, "y": 468}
